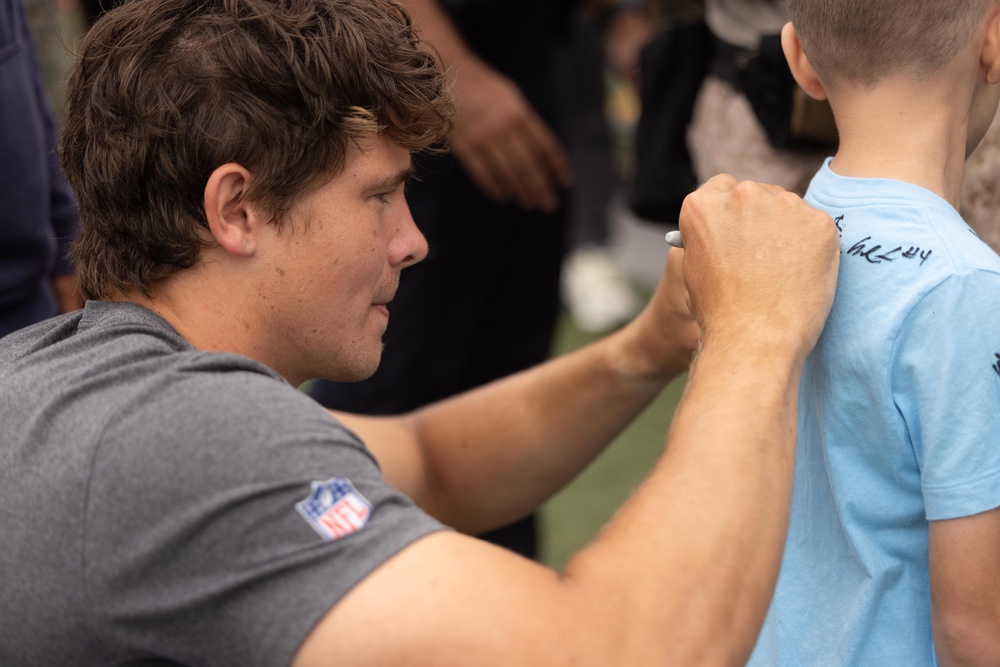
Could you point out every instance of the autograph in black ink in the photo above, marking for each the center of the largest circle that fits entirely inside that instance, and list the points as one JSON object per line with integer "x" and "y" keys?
{"x": 840, "y": 228}
{"x": 875, "y": 257}
{"x": 996, "y": 366}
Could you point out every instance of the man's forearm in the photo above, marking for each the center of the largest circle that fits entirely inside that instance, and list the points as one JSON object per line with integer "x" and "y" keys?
{"x": 486, "y": 457}
{"x": 706, "y": 530}
{"x": 681, "y": 576}
{"x": 496, "y": 453}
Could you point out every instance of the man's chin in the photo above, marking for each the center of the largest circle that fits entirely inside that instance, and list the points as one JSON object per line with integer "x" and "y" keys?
{"x": 357, "y": 371}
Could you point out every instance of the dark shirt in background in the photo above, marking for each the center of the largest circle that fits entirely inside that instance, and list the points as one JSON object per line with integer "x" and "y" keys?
{"x": 37, "y": 207}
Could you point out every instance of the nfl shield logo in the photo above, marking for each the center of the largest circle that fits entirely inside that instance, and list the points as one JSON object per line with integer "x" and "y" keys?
{"x": 334, "y": 508}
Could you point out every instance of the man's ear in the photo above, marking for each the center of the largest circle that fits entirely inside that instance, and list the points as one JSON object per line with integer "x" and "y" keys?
{"x": 801, "y": 68}
{"x": 991, "y": 48}
{"x": 231, "y": 220}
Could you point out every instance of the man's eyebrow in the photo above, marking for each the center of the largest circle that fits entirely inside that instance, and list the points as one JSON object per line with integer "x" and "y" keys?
{"x": 390, "y": 182}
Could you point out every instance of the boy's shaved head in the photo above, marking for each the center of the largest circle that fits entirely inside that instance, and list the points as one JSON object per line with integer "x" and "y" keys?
{"x": 863, "y": 41}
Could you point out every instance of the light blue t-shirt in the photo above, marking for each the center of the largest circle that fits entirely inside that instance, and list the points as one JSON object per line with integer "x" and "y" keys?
{"x": 899, "y": 424}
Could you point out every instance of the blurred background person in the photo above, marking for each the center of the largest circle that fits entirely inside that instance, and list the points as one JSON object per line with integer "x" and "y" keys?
{"x": 601, "y": 52}
{"x": 981, "y": 188}
{"x": 733, "y": 131}
{"x": 717, "y": 96}
{"x": 95, "y": 9}
{"x": 750, "y": 118}
{"x": 37, "y": 208}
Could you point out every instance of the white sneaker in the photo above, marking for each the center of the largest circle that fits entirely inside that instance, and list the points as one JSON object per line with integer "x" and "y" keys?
{"x": 596, "y": 292}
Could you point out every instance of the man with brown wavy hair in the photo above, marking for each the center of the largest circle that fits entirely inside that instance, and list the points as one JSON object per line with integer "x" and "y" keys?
{"x": 168, "y": 496}
{"x": 145, "y": 128}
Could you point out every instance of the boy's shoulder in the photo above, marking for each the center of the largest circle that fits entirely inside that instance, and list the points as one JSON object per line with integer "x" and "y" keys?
{"x": 898, "y": 230}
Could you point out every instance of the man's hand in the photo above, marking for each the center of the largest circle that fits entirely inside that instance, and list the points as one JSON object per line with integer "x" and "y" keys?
{"x": 758, "y": 262}
{"x": 508, "y": 150}
{"x": 663, "y": 337}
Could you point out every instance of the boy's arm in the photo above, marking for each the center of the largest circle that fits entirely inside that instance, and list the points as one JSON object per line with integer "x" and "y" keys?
{"x": 965, "y": 589}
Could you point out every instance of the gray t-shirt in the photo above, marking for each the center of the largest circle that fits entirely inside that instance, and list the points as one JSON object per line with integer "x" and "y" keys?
{"x": 163, "y": 505}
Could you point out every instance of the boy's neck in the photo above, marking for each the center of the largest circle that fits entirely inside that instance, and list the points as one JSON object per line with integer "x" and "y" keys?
{"x": 904, "y": 131}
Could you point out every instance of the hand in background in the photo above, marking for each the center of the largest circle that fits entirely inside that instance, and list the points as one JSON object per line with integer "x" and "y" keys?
{"x": 508, "y": 150}
{"x": 511, "y": 154}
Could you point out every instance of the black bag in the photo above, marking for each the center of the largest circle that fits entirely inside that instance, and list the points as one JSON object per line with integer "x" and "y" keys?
{"x": 672, "y": 68}
{"x": 790, "y": 118}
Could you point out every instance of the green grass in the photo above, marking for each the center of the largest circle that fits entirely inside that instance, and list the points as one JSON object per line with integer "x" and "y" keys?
{"x": 575, "y": 515}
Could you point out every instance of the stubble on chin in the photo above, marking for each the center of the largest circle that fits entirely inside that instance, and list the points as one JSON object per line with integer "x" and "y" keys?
{"x": 357, "y": 369}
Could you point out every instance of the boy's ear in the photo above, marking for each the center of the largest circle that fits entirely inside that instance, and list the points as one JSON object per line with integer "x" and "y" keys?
{"x": 230, "y": 219}
{"x": 991, "y": 48}
{"x": 801, "y": 68}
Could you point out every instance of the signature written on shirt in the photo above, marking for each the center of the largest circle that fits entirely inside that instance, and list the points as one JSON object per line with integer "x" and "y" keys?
{"x": 877, "y": 253}
{"x": 874, "y": 254}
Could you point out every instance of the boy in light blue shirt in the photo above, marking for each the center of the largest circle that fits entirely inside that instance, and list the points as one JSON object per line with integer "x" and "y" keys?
{"x": 893, "y": 555}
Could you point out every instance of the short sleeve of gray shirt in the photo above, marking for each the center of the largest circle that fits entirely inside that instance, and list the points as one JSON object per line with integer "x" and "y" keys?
{"x": 223, "y": 512}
